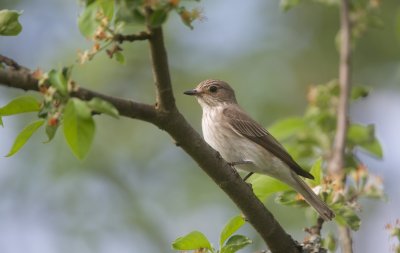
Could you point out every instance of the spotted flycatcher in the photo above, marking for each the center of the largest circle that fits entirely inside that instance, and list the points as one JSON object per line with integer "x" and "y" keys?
{"x": 244, "y": 143}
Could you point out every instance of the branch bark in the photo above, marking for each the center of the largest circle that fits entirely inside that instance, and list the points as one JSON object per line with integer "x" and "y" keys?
{"x": 336, "y": 163}
{"x": 186, "y": 137}
{"x": 166, "y": 116}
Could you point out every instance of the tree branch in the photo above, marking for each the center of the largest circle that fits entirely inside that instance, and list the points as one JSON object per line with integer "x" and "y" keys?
{"x": 22, "y": 79}
{"x": 208, "y": 159}
{"x": 166, "y": 116}
{"x": 187, "y": 138}
{"x": 336, "y": 163}
{"x": 165, "y": 100}
{"x": 120, "y": 38}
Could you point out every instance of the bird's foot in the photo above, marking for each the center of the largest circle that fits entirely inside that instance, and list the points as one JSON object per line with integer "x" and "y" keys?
{"x": 247, "y": 176}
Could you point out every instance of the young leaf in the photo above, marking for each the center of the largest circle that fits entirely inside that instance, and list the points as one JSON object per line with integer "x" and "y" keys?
{"x": 1, "y": 121}
{"x": 58, "y": 81}
{"x": 20, "y": 105}
{"x": 50, "y": 132}
{"x": 347, "y": 216}
{"x": 264, "y": 186}
{"x": 78, "y": 127}
{"x": 158, "y": 17}
{"x": 373, "y": 147}
{"x": 9, "y": 24}
{"x": 87, "y": 22}
{"x": 359, "y": 92}
{"x": 364, "y": 136}
{"x": 329, "y": 242}
{"x": 316, "y": 172}
{"x": 358, "y": 133}
{"x": 290, "y": 198}
{"x": 102, "y": 106}
{"x": 119, "y": 57}
{"x": 288, "y": 4}
{"x": 231, "y": 227}
{"x": 108, "y": 8}
{"x": 235, "y": 243}
{"x": 24, "y": 136}
{"x": 192, "y": 241}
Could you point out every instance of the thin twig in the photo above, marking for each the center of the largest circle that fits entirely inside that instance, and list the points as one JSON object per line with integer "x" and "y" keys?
{"x": 26, "y": 81}
{"x": 336, "y": 163}
{"x": 191, "y": 142}
{"x": 165, "y": 100}
{"x": 316, "y": 230}
{"x": 11, "y": 63}
{"x": 120, "y": 38}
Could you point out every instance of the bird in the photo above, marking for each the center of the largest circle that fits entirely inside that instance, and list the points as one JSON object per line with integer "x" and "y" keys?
{"x": 246, "y": 145}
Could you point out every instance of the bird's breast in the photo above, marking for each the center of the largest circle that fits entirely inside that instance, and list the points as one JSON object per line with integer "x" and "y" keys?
{"x": 234, "y": 147}
{"x": 220, "y": 136}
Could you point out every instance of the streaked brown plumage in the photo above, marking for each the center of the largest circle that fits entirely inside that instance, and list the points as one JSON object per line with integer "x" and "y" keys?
{"x": 241, "y": 140}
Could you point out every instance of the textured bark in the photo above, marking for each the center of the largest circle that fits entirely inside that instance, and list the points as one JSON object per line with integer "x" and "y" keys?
{"x": 166, "y": 116}
{"x": 336, "y": 164}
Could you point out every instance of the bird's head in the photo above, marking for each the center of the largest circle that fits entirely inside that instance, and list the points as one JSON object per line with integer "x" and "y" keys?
{"x": 210, "y": 93}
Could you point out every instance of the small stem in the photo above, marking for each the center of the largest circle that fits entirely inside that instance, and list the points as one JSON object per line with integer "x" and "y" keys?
{"x": 336, "y": 164}
{"x": 165, "y": 100}
{"x": 120, "y": 38}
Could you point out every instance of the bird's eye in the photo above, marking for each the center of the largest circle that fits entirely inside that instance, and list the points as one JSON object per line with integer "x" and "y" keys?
{"x": 213, "y": 88}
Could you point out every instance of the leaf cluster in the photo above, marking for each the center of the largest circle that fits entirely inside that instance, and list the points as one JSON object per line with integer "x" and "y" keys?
{"x": 102, "y": 21}
{"x": 228, "y": 242}
{"x": 311, "y": 136}
{"x": 58, "y": 108}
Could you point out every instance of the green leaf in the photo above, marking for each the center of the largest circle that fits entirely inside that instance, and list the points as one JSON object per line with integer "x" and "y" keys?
{"x": 9, "y": 24}
{"x": 88, "y": 20}
{"x": 58, "y": 81}
{"x": 102, "y": 106}
{"x": 51, "y": 132}
{"x": 264, "y": 186}
{"x": 316, "y": 171}
{"x": 107, "y": 7}
{"x": 1, "y": 121}
{"x": 192, "y": 241}
{"x": 286, "y": 128}
{"x": 231, "y": 227}
{"x": 359, "y": 92}
{"x": 373, "y": 147}
{"x": 158, "y": 17}
{"x": 358, "y": 133}
{"x": 288, "y": 4}
{"x": 24, "y": 136}
{"x": 20, "y": 105}
{"x": 119, "y": 57}
{"x": 290, "y": 198}
{"x": 346, "y": 216}
{"x": 329, "y": 242}
{"x": 364, "y": 136}
{"x": 78, "y": 127}
{"x": 235, "y": 243}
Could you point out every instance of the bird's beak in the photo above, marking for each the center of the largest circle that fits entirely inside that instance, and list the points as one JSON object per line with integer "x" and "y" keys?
{"x": 191, "y": 92}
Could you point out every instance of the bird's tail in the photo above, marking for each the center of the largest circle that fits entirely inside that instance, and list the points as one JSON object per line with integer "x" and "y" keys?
{"x": 311, "y": 198}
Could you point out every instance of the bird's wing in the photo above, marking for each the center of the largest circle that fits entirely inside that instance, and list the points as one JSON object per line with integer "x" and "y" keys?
{"x": 249, "y": 128}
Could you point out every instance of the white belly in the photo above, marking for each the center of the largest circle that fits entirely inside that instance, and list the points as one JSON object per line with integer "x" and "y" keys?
{"x": 236, "y": 148}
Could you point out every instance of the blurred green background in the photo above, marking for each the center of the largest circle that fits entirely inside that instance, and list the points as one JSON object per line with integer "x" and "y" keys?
{"x": 136, "y": 191}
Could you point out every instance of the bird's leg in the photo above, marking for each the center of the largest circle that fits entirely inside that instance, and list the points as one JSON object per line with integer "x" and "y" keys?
{"x": 233, "y": 164}
{"x": 247, "y": 176}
